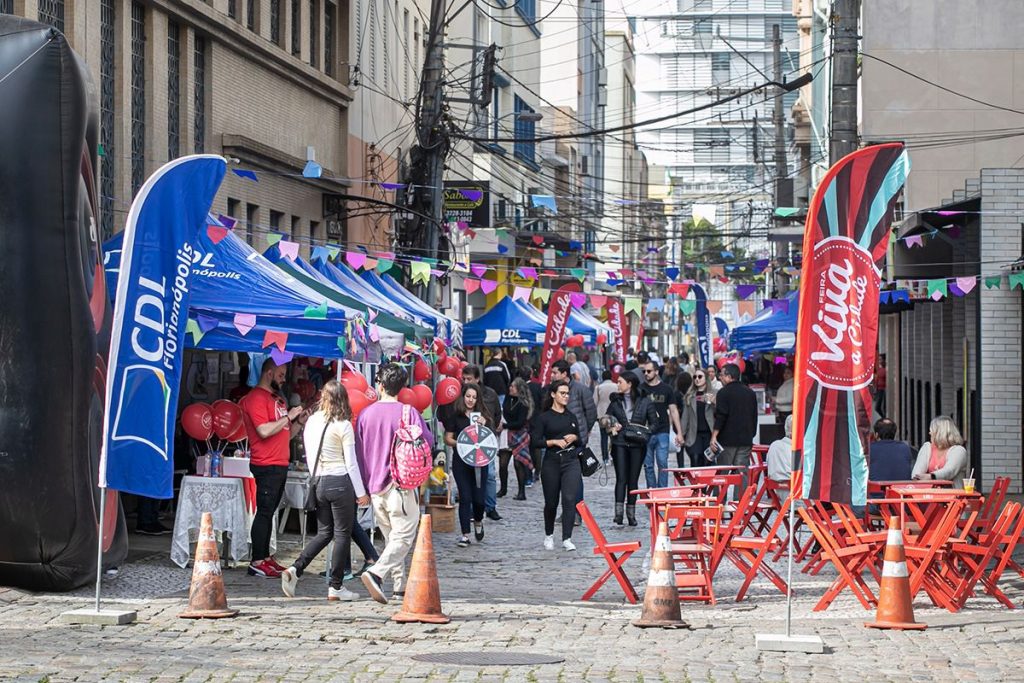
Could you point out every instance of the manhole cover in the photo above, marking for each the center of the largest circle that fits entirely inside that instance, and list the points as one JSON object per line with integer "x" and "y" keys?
{"x": 488, "y": 658}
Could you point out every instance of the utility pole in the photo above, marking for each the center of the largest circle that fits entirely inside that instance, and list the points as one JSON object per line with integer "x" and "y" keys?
{"x": 845, "y": 14}
{"x": 783, "y": 185}
{"x": 428, "y": 156}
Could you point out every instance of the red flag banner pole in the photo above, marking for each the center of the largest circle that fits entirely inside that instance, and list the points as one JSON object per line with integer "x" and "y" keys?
{"x": 554, "y": 337}
{"x": 615, "y": 321}
{"x": 845, "y": 241}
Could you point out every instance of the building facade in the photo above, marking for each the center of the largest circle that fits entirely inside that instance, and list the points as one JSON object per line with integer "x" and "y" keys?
{"x": 259, "y": 81}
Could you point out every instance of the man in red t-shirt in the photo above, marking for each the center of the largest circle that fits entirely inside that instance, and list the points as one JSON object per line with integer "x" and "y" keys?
{"x": 268, "y": 426}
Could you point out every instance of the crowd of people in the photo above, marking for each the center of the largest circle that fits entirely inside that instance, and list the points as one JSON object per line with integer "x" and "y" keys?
{"x": 643, "y": 410}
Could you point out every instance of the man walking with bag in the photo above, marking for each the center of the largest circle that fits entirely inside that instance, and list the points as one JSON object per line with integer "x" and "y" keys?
{"x": 396, "y": 510}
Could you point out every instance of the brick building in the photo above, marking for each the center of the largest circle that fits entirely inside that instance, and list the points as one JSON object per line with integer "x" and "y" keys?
{"x": 260, "y": 81}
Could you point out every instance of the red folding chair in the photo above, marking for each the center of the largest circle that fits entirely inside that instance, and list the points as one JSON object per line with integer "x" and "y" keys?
{"x": 996, "y": 545}
{"x": 694, "y": 558}
{"x": 748, "y": 551}
{"x": 615, "y": 554}
{"x": 847, "y": 556}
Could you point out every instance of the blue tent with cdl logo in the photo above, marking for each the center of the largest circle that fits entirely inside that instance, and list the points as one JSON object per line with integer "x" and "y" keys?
{"x": 770, "y": 330}
{"x": 229, "y": 278}
{"x": 508, "y": 323}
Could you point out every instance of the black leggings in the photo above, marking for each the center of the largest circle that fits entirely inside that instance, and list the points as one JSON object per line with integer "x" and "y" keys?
{"x": 700, "y": 444}
{"x": 471, "y": 494}
{"x": 629, "y": 461}
{"x": 561, "y": 479}
{"x": 335, "y": 511}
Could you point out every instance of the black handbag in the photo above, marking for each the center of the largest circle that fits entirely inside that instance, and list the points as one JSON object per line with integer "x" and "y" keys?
{"x": 310, "y": 504}
{"x": 637, "y": 435}
{"x": 589, "y": 463}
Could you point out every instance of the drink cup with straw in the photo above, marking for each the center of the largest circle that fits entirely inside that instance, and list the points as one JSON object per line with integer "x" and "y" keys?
{"x": 969, "y": 482}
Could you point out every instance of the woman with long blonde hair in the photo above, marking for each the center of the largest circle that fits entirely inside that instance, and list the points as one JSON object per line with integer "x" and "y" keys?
{"x": 943, "y": 456}
{"x": 338, "y": 486}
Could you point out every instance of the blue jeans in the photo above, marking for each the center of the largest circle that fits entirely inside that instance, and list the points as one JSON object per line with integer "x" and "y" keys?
{"x": 657, "y": 450}
{"x": 491, "y": 492}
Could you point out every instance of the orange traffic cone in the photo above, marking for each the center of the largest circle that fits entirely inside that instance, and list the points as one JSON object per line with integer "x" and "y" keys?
{"x": 206, "y": 598}
{"x": 422, "y": 600}
{"x": 895, "y": 608}
{"x": 661, "y": 598}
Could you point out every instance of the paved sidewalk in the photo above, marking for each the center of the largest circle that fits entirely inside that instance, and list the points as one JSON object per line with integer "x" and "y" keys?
{"x": 505, "y": 594}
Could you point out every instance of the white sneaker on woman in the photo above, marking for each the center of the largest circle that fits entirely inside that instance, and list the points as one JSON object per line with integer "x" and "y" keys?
{"x": 567, "y": 544}
{"x": 549, "y": 543}
{"x": 289, "y": 579}
{"x": 343, "y": 594}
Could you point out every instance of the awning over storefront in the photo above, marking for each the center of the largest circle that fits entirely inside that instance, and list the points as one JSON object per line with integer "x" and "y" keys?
{"x": 507, "y": 323}
{"x": 768, "y": 331}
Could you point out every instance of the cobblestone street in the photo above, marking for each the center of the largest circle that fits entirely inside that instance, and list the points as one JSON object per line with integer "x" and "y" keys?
{"x": 506, "y": 594}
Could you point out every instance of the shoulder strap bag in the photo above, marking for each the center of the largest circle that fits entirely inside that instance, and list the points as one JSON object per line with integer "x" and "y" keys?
{"x": 310, "y": 505}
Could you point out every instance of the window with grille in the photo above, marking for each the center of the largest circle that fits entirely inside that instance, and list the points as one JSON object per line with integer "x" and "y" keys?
{"x": 233, "y": 9}
{"x": 138, "y": 100}
{"x": 275, "y": 21}
{"x": 330, "y": 24}
{"x": 51, "y": 12}
{"x": 6, "y": 6}
{"x": 416, "y": 48}
{"x": 173, "y": 90}
{"x": 405, "y": 60}
{"x": 199, "y": 95}
{"x": 359, "y": 30}
{"x": 275, "y": 220}
{"x": 250, "y": 15}
{"x": 525, "y": 148}
{"x": 107, "y": 51}
{"x": 314, "y": 33}
{"x": 372, "y": 27}
{"x": 385, "y": 32}
{"x": 252, "y": 212}
{"x": 296, "y": 28}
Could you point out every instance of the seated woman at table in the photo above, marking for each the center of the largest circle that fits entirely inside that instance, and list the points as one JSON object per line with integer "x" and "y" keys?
{"x": 471, "y": 481}
{"x": 944, "y": 456}
{"x": 628, "y": 450}
{"x": 338, "y": 486}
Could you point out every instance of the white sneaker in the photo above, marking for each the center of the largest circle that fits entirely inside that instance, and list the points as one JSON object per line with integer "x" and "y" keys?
{"x": 343, "y": 594}
{"x": 567, "y": 544}
{"x": 549, "y": 543}
{"x": 289, "y": 579}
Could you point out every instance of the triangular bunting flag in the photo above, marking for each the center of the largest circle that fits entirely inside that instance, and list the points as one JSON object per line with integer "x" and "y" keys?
{"x": 938, "y": 289}
{"x": 993, "y": 282}
{"x": 687, "y": 306}
{"x": 632, "y": 304}
{"x": 273, "y": 238}
{"x": 420, "y": 272}
{"x": 1016, "y": 280}
{"x": 192, "y": 327}
{"x": 598, "y": 300}
{"x": 244, "y": 322}
{"x": 355, "y": 259}
{"x": 521, "y": 294}
{"x": 289, "y": 250}
{"x": 578, "y": 273}
{"x": 542, "y": 294}
{"x": 714, "y": 306}
{"x": 470, "y": 285}
{"x": 216, "y": 233}
{"x": 384, "y": 265}
{"x": 318, "y": 312}
{"x": 488, "y": 286}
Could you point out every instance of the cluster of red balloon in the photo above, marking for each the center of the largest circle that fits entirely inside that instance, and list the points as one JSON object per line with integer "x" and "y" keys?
{"x": 735, "y": 357}
{"x": 223, "y": 419}
{"x": 574, "y": 341}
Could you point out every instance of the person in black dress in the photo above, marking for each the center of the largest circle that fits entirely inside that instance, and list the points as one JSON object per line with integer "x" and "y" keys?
{"x": 471, "y": 481}
{"x": 628, "y": 406}
{"x": 556, "y": 430}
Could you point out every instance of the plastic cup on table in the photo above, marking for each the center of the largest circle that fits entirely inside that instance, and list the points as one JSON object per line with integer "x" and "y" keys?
{"x": 969, "y": 485}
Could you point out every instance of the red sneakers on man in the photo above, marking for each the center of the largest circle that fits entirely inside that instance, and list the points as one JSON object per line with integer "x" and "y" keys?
{"x": 272, "y": 561}
{"x": 264, "y": 569}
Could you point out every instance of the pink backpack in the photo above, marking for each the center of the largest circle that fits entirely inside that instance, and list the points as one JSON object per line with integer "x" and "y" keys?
{"x": 411, "y": 459}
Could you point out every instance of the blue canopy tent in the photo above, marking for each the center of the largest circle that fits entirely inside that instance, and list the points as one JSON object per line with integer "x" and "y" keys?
{"x": 230, "y": 278}
{"x": 508, "y": 323}
{"x": 342, "y": 276}
{"x": 387, "y": 285}
{"x": 400, "y": 323}
{"x": 768, "y": 331}
{"x": 581, "y": 322}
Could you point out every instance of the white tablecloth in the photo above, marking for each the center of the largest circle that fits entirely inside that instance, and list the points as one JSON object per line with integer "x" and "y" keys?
{"x": 225, "y": 498}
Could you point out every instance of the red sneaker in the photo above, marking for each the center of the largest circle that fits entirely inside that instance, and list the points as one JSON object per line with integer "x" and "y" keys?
{"x": 272, "y": 561}
{"x": 264, "y": 569}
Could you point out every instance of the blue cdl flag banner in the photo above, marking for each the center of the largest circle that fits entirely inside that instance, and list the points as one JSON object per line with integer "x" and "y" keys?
{"x": 703, "y": 326}
{"x": 150, "y": 316}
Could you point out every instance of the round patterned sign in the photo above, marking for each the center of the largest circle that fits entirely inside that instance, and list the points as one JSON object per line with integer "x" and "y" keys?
{"x": 477, "y": 445}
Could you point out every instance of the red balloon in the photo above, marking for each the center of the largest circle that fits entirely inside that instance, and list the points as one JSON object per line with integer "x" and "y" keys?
{"x": 421, "y": 371}
{"x": 354, "y": 382}
{"x": 197, "y": 421}
{"x": 449, "y": 366}
{"x": 358, "y": 400}
{"x": 423, "y": 397}
{"x": 574, "y": 341}
{"x": 440, "y": 347}
{"x": 448, "y": 390}
{"x": 602, "y": 338}
{"x": 406, "y": 396}
{"x": 239, "y": 435}
{"x": 227, "y": 416}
